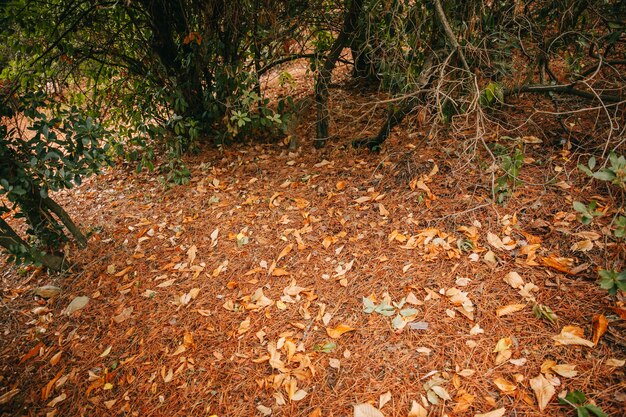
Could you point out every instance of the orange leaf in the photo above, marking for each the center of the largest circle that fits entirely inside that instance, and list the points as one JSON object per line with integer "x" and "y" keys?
{"x": 600, "y": 324}
{"x": 337, "y": 331}
{"x": 31, "y": 353}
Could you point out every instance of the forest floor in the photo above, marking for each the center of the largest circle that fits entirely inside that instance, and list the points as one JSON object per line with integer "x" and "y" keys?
{"x": 305, "y": 283}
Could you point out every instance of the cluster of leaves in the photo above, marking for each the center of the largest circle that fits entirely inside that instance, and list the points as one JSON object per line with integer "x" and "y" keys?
{"x": 615, "y": 173}
{"x": 578, "y": 401}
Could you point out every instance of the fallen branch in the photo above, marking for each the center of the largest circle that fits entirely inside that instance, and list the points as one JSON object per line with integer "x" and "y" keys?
{"x": 560, "y": 89}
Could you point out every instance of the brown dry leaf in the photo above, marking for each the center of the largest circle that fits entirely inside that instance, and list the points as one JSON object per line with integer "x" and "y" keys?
{"x": 565, "y": 370}
{"x": 244, "y": 326}
{"x": 32, "y": 353}
{"x": 466, "y": 373}
{"x": 57, "y": 400}
{"x": 600, "y": 325}
{"x": 544, "y": 390}
{"x": 559, "y": 264}
{"x": 284, "y": 252}
{"x": 495, "y": 413}
{"x": 417, "y": 410}
{"x": 615, "y": 362}
{"x": 279, "y": 272}
{"x": 382, "y": 210}
{"x": 367, "y": 410}
{"x": 571, "y": 335}
{"x": 509, "y": 309}
{"x": 503, "y": 344}
{"x": 464, "y": 401}
{"x": 514, "y": 280}
{"x": 338, "y": 330}
{"x": 384, "y": 399}
{"x": 56, "y": 358}
{"x": 582, "y": 246}
{"x": 340, "y": 185}
{"x": 505, "y": 386}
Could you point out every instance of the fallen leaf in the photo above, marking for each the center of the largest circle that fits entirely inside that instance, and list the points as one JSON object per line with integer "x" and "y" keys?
{"x": 384, "y": 399}
{"x": 32, "y": 353}
{"x": 514, "y": 280}
{"x": 57, "y": 400}
{"x": 505, "y": 386}
{"x": 367, "y": 410}
{"x": 266, "y": 411}
{"x": 544, "y": 390}
{"x": 495, "y": 413}
{"x": 615, "y": 362}
{"x": 600, "y": 325}
{"x": 571, "y": 335}
{"x": 338, "y": 330}
{"x": 56, "y": 358}
{"x": 509, "y": 309}
{"x": 47, "y": 291}
{"x": 565, "y": 370}
{"x": 417, "y": 410}
{"x": 78, "y": 303}
{"x": 244, "y": 326}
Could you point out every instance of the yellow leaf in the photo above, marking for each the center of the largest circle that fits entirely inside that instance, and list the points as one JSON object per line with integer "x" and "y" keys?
{"x": 504, "y": 385}
{"x": 503, "y": 344}
{"x": 544, "y": 390}
{"x": 509, "y": 309}
{"x": 337, "y": 331}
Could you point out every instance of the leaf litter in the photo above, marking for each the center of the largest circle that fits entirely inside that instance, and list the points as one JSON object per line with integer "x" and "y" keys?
{"x": 326, "y": 286}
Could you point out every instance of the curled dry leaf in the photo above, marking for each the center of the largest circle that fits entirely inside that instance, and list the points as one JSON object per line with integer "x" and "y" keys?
{"x": 544, "y": 390}
{"x": 337, "y": 331}
{"x": 600, "y": 325}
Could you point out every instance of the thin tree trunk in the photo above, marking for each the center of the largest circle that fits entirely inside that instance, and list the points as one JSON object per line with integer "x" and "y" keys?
{"x": 325, "y": 73}
{"x": 10, "y": 240}
{"x": 51, "y": 205}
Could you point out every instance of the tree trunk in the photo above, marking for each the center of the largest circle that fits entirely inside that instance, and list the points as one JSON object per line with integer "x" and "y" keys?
{"x": 11, "y": 240}
{"x": 325, "y": 73}
{"x": 51, "y": 205}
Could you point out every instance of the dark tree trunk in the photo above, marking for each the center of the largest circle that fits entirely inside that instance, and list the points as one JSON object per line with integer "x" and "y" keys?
{"x": 11, "y": 240}
{"x": 51, "y": 205}
{"x": 324, "y": 76}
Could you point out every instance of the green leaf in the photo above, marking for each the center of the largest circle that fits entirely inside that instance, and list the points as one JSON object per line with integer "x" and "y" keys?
{"x": 408, "y": 312}
{"x": 580, "y": 207}
{"x": 582, "y": 412}
{"x": 604, "y": 175}
{"x": 397, "y": 322}
{"x": 596, "y": 410}
{"x": 368, "y": 305}
{"x": 592, "y": 162}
